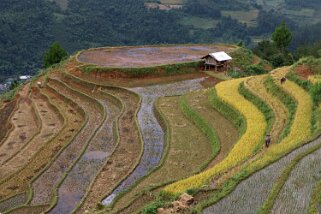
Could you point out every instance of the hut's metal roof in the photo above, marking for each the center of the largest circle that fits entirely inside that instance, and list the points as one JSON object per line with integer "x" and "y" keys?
{"x": 219, "y": 56}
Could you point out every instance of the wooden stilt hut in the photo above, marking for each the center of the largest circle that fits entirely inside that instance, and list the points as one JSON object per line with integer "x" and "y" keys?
{"x": 217, "y": 60}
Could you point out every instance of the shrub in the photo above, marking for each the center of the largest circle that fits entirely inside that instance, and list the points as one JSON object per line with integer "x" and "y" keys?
{"x": 54, "y": 55}
{"x": 316, "y": 92}
{"x": 242, "y": 58}
{"x": 152, "y": 207}
{"x": 255, "y": 70}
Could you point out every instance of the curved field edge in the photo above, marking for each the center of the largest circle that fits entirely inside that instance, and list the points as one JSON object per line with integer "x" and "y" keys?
{"x": 300, "y": 131}
{"x": 277, "y": 187}
{"x": 203, "y": 127}
{"x": 166, "y": 127}
{"x": 36, "y": 118}
{"x": 262, "y": 106}
{"x": 269, "y": 117}
{"x": 233, "y": 116}
{"x": 201, "y": 123}
{"x": 120, "y": 104}
{"x": 249, "y": 169}
{"x": 316, "y": 131}
{"x": 108, "y": 87}
{"x": 308, "y": 87}
{"x": 279, "y": 112}
{"x": 178, "y": 68}
{"x": 65, "y": 125}
{"x": 103, "y": 111}
{"x": 256, "y": 123}
{"x": 22, "y": 157}
{"x": 39, "y": 127}
{"x": 315, "y": 200}
{"x": 287, "y": 100}
{"x": 140, "y": 70}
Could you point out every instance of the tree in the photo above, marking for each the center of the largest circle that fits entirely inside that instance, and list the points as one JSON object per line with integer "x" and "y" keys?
{"x": 54, "y": 55}
{"x": 282, "y": 37}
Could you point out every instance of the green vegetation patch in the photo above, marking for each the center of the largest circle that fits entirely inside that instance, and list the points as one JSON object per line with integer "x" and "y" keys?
{"x": 287, "y": 100}
{"x": 315, "y": 92}
{"x": 199, "y": 22}
{"x": 243, "y": 64}
{"x": 162, "y": 70}
{"x": 261, "y": 105}
{"x": 246, "y": 17}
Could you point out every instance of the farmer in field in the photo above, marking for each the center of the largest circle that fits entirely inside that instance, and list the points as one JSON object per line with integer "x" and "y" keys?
{"x": 267, "y": 140}
{"x": 283, "y": 79}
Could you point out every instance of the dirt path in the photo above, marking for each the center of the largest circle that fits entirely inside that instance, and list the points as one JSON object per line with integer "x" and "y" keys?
{"x": 100, "y": 148}
{"x": 44, "y": 186}
{"x": 51, "y": 124}
{"x": 25, "y": 127}
{"x": 131, "y": 57}
{"x": 225, "y": 130}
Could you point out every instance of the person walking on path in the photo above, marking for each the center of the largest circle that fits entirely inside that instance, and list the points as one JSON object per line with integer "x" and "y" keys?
{"x": 267, "y": 140}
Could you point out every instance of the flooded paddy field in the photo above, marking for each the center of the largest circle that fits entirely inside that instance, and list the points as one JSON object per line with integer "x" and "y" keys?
{"x": 135, "y": 57}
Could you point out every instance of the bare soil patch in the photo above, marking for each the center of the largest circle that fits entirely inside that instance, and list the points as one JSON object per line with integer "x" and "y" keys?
{"x": 48, "y": 116}
{"x": 19, "y": 182}
{"x": 5, "y": 114}
{"x": 303, "y": 71}
{"x": 145, "y": 56}
{"x": 225, "y": 130}
{"x": 25, "y": 127}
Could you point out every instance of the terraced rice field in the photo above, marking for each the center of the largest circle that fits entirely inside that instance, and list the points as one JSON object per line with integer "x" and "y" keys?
{"x": 25, "y": 127}
{"x": 85, "y": 144}
{"x": 51, "y": 123}
{"x": 133, "y": 57}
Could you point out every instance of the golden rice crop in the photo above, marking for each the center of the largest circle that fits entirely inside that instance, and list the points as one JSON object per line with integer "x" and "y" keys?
{"x": 301, "y": 126}
{"x": 314, "y": 79}
{"x": 243, "y": 149}
{"x": 256, "y": 85}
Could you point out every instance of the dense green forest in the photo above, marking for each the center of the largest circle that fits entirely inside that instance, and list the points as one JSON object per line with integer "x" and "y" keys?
{"x": 29, "y": 27}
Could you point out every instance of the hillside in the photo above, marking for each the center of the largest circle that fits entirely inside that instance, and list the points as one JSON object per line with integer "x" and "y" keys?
{"x": 29, "y": 27}
{"x": 128, "y": 130}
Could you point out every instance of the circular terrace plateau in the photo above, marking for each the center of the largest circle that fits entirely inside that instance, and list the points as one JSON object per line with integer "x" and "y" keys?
{"x": 146, "y": 56}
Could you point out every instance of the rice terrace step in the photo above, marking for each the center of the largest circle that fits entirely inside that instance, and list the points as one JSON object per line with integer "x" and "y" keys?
{"x": 139, "y": 129}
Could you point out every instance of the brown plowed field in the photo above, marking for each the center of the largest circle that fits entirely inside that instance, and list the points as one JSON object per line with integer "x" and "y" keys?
{"x": 145, "y": 56}
{"x": 51, "y": 124}
{"x": 25, "y": 127}
{"x": 5, "y": 114}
